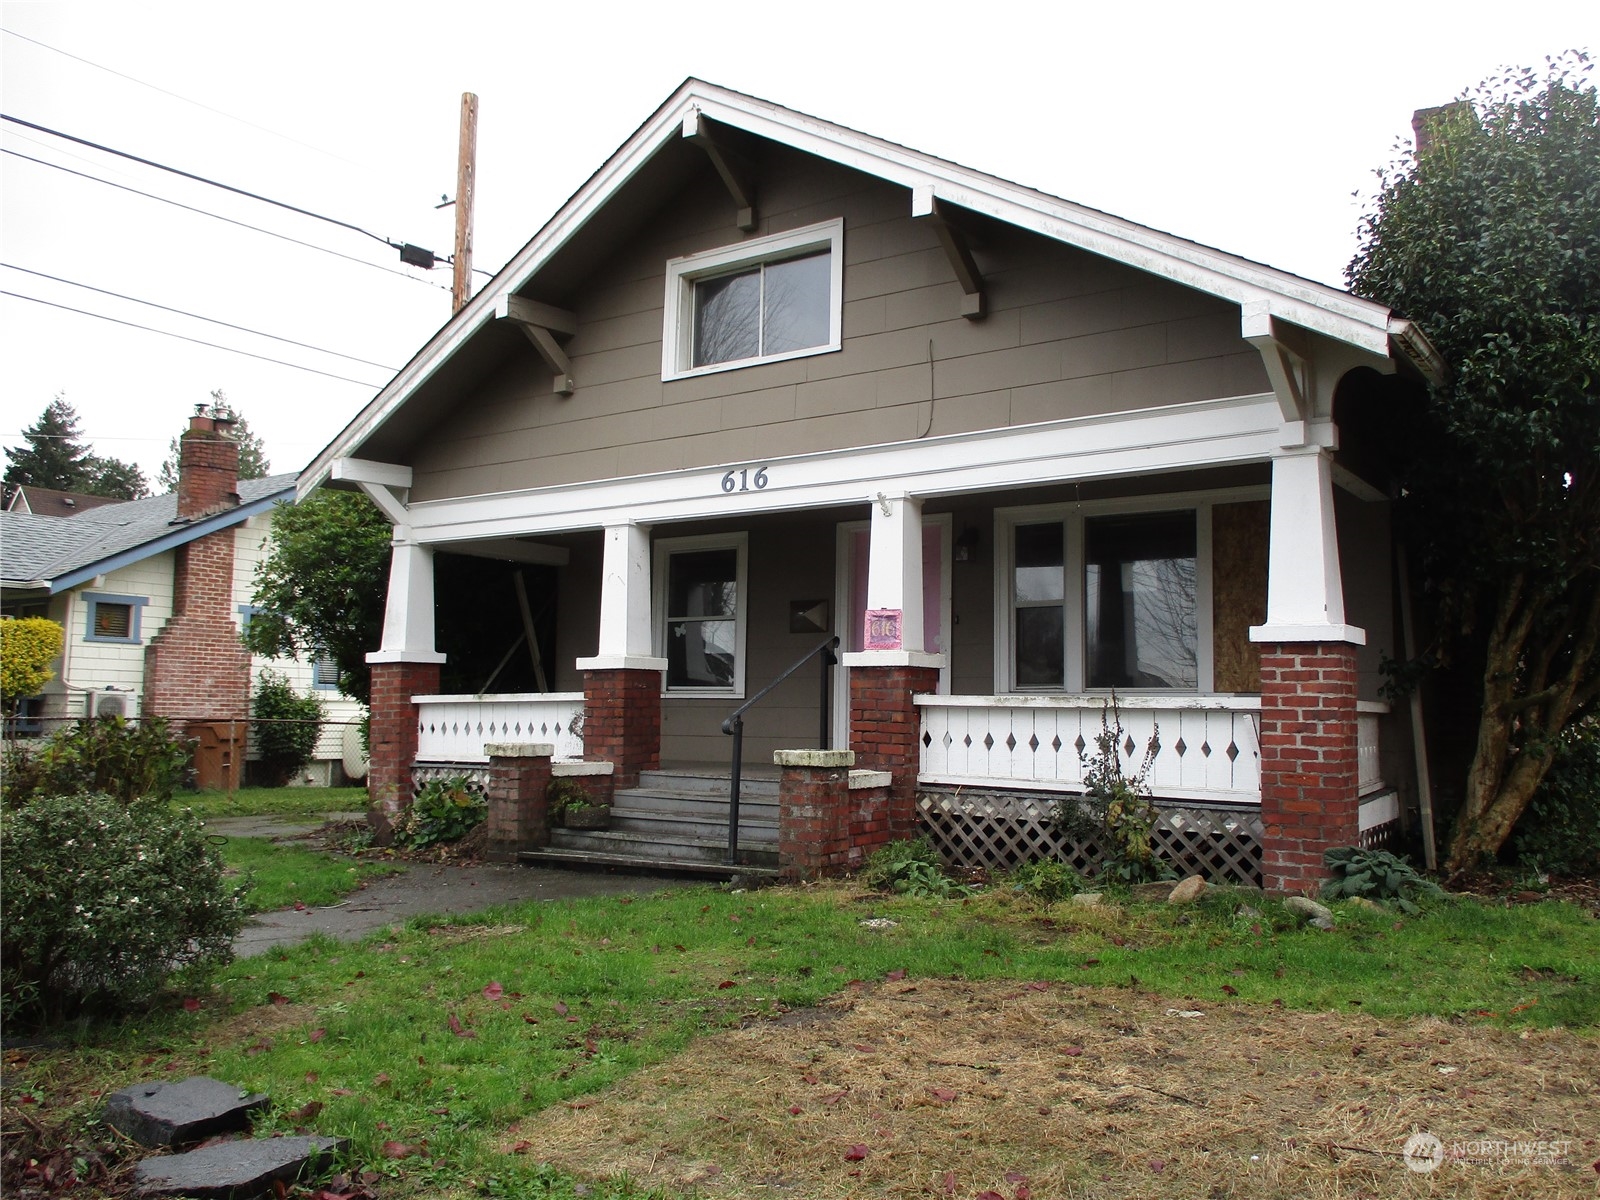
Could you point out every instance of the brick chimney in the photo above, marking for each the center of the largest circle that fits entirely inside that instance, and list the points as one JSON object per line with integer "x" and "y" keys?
{"x": 1427, "y": 124}
{"x": 208, "y": 466}
{"x": 196, "y": 668}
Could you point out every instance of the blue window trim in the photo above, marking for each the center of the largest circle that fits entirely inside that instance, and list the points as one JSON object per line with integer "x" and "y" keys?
{"x": 135, "y": 613}
{"x": 317, "y": 681}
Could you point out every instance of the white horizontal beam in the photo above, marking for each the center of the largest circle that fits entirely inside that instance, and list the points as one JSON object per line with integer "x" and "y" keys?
{"x": 532, "y": 312}
{"x": 1205, "y": 433}
{"x": 363, "y": 470}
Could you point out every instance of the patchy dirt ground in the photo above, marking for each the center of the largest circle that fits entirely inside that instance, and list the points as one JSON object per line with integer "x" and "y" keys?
{"x": 1005, "y": 1091}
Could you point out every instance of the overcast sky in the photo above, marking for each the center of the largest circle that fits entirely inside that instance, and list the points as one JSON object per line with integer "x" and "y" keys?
{"x": 1244, "y": 126}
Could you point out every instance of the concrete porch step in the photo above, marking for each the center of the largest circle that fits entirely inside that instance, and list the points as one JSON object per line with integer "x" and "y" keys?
{"x": 556, "y": 856}
{"x": 665, "y": 846}
{"x": 711, "y": 781}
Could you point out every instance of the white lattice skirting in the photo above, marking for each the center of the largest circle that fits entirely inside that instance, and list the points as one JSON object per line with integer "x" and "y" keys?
{"x": 1002, "y": 832}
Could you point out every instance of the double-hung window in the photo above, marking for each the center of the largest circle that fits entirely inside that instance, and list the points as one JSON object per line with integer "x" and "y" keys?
{"x": 759, "y": 301}
{"x": 701, "y": 605}
{"x": 1099, "y": 597}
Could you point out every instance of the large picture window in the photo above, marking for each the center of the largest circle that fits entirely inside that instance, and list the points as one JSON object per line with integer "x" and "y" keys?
{"x": 759, "y": 301}
{"x": 701, "y": 603}
{"x": 1097, "y": 597}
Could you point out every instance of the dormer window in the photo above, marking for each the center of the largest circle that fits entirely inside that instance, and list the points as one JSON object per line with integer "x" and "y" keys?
{"x": 760, "y": 301}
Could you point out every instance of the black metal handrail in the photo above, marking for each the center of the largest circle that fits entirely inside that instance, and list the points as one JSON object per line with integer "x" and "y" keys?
{"x": 734, "y": 724}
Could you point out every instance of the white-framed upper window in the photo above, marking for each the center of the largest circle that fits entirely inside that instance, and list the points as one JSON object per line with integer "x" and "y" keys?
{"x": 759, "y": 301}
{"x": 1105, "y": 595}
{"x": 701, "y": 604}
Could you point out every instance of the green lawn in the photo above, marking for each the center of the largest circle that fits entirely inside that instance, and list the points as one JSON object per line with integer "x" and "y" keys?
{"x": 257, "y": 802}
{"x": 280, "y": 876}
{"x": 447, "y": 1035}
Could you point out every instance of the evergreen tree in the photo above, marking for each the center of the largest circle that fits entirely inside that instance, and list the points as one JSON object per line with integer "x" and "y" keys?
{"x": 253, "y": 462}
{"x": 56, "y": 458}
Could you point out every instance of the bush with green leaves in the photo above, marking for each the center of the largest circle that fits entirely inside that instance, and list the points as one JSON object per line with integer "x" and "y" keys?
{"x": 1376, "y": 875}
{"x": 566, "y": 795}
{"x": 1047, "y": 880}
{"x": 1560, "y": 832}
{"x": 1116, "y": 808}
{"x": 445, "y": 810}
{"x": 127, "y": 760}
{"x": 285, "y": 726}
{"x": 103, "y": 900}
{"x": 910, "y": 868}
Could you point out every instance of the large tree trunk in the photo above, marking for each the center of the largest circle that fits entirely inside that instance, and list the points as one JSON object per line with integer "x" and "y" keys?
{"x": 1509, "y": 763}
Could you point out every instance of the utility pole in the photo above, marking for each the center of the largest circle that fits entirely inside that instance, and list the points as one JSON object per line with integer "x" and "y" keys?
{"x": 466, "y": 171}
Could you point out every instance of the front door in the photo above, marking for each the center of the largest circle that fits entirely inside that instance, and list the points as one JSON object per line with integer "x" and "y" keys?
{"x": 850, "y": 602}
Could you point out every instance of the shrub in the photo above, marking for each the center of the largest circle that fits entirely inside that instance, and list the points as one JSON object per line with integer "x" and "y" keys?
{"x": 105, "y": 755}
{"x": 1560, "y": 832}
{"x": 1376, "y": 875}
{"x": 28, "y": 647}
{"x": 285, "y": 727}
{"x": 446, "y": 810}
{"x": 103, "y": 900}
{"x": 1047, "y": 880}
{"x": 1118, "y": 806}
{"x": 910, "y": 868}
{"x": 564, "y": 796}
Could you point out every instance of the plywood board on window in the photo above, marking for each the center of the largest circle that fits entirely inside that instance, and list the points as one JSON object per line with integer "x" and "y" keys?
{"x": 1239, "y": 591}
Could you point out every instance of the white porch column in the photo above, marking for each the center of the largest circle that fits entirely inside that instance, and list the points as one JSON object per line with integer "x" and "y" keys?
{"x": 894, "y": 624}
{"x": 408, "y": 612}
{"x": 625, "y": 633}
{"x": 1305, "y": 596}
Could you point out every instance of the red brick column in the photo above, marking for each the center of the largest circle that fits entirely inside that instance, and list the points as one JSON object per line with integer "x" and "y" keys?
{"x": 519, "y": 810}
{"x": 393, "y": 739}
{"x": 884, "y": 732}
{"x": 1309, "y": 796}
{"x": 826, "y": 826}
{"x": 622, "y": 721}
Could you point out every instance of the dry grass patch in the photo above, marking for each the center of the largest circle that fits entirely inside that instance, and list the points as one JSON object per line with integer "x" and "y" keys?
{"x": 934, "y": 1087}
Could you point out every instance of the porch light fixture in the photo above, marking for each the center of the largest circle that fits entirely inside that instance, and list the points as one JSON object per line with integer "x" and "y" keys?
{"x": 967, "y": 543}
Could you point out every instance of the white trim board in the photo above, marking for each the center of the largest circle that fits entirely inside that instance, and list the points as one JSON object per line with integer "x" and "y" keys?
{"x": 1302, "y": 302}
{"x": 1182, "y": 437}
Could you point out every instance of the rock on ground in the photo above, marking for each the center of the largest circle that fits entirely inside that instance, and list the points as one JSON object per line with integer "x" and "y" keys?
{"x": 1308, "y": 910}
{"x": 1188, "y": 891}
{"x": 164, "y": 1114}
{"x": 236, "y": 1170}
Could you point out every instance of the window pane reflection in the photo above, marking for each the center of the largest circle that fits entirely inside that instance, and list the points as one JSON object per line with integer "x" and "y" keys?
{"x": 796, "y": 304}
{"x": 727, "y": 314}
{"x": 1139, "y": 601}
{"x": 702, "y": 600}
{"x": 1039, "y": 648}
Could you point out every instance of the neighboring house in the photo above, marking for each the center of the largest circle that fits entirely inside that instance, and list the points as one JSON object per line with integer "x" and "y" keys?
{"x": 765, "y": 378}
{"x": 153, "y": 594}
{"x": 47, "y": 502}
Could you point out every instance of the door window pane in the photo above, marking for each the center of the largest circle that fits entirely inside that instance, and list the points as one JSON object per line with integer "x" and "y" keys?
{"x": 1139, "y": 601}
{"x": 1040, "y": 657}
{"x": 1039, "y": 562}
{"x": 702, "y": 602}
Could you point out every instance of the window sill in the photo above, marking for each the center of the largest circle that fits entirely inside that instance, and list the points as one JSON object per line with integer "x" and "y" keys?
{"x": 741, "y": 363}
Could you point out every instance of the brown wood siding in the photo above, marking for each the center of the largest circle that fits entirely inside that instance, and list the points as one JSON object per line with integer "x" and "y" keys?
{"x": 1239, "y": 592}
{"x": 1068, "y": 334}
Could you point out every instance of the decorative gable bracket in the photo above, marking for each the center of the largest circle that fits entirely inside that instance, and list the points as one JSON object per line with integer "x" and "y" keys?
{"x": 927, "y": 207}
{"x": 541, "y": 322}
{"x": 1286, "y": 353}
{"x": 736, "y": 176}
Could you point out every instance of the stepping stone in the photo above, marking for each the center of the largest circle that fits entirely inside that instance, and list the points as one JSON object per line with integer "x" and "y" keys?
{"x": 236, "y": 1170}
{"x": 165, "y": 1114}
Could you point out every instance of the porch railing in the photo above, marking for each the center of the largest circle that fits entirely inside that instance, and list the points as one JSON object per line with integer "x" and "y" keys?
{"x": 1369, "y": 770}
{"x": 455, "y": 729}
{"x": 1209, "y": 745}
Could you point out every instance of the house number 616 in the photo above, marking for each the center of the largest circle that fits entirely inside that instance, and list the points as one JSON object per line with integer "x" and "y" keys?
{"x": 743, "y": 481}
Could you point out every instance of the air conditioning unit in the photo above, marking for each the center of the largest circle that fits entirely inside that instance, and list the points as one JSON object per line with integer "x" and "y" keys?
{"x": 111, "y": 705}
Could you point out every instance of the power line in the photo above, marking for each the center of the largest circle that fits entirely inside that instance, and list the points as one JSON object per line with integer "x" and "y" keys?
{"x": 213, "y": 345}
{"x": 229, "y": 220}
{"x": 185, "y": 313}
{"x": 227, "y": 187}
{"x": 197, "y": 103}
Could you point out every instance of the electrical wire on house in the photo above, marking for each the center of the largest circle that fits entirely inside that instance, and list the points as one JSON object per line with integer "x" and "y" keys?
{"x": 182, "y": 338}
{"x": 228, "y": 220}
{"x": 196, "y": 316}
{"x": 407, "y": 251}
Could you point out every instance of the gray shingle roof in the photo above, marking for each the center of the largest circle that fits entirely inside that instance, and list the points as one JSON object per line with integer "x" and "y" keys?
{"x": 35, "y": 548}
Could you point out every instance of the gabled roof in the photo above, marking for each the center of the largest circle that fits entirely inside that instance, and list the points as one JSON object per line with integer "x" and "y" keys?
{"x": 646, "y": 159}
{"x": 53, "y": 554}
{"x": 47, "y": 502}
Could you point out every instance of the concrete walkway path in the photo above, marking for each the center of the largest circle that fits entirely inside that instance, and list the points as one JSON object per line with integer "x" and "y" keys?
{"x": 433, "y": 888}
